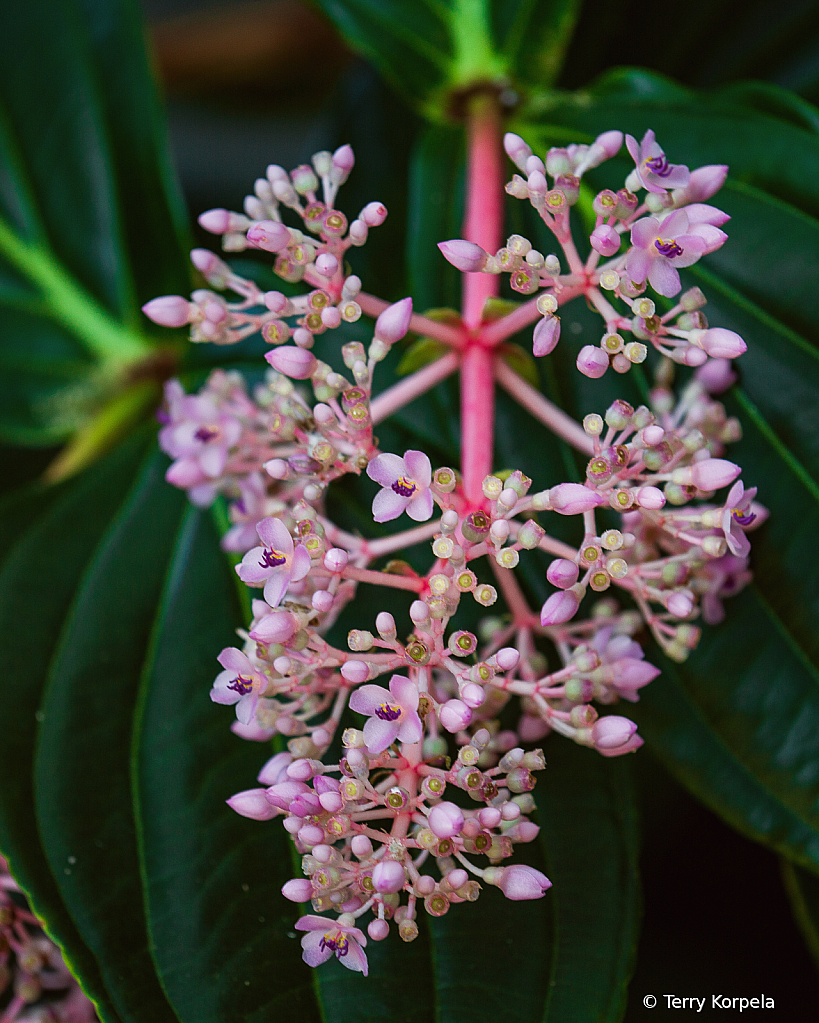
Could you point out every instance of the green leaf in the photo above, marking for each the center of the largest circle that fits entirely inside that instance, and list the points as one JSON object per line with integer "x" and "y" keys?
{"x": 56, "y": 532}
{"x": 84, "y": 188}
{"x": 81, "y": 768}
{"x": 219, "y": 925}
{"x": 436, "y": 52}
{"x": 421, "y": 353}
{"x": 803, "y": 891}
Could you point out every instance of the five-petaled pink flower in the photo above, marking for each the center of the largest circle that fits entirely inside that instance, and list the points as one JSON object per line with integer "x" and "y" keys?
{"x": 653, "y": 171}
{"x": 240, "y": 683}
{"x": 660, "y": 248}
{"x": 405, "y": 483}
{"x": 327, "y": 937}
{"x": 275, "y": 565}
{"x": 394, "y": 713}
{"x": 736, "y": 517}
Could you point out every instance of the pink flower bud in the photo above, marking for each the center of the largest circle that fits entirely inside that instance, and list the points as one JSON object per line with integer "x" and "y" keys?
{"x": 472, "y": 695}
{"x": 520, "y": 882}
{"x": 605, "y": 240}
{"x": 634, "y": 743}
{"x": 394, "y": 322}
{"x": 378, "y": 930}
{"x": 335, "y": 560}
{"x": 207, "y": 263}
{"x": 525, "y": 831}
{"x": 719, "y": 343}
{"x": 343, "y": 163}
{"x": 716, "y": 375}
{"x": 355, "y": 671}
{"x": 374, "y": 214}
{"x": 270, "y": 235}
{"x": 293, "y": 362}
{"x": 612, "y": 731}
{"x": 650, "y": 498}
{"x": 331, "y": 801}
{"x": 517, "y": 150}
{"x": 562, "y": 573}
{"x": 275, "y": 770}
{"x": 322, "y": 601}
{"x": 275, "y": 301}
{"x": 276, "y": 627}
{"x": 456, "y": 879}
{"x": 653, "y": 435}
{"x": 326, "y": 264}
{"x": 610, "y": 143}
{"x": 679, "y": 605}
{"x": 253, "y": 731}
{"x": 215, "y": 221}
{"x": 507, "y": 658}
{"x": 465, "y": 256}
{"x": 537, "y": 184}
{"x": 592, "y": 362}
{"x": 632, "y": 673}
{"x": 283, "y": 793}
{"x": 252, "y": 803}
{"x": 545, "y": 336}
{"x": 574, "y": 498}
{"x": 385, "y": 624}
{"x": 454, "y": 715}
{"x": 310, "y": 835}
{"x": 359, "y": 232}
{"x": 559, "y": 608}
{"x": 298, "y": 890}
{"x": 388, "y": 876}
{"x": 445, "y": 820}
{"x": 168, "y": 310}
{"x": 277, "y": 468}
{"x": 709, "y": 474}
{"x": 703, "y": 183}
{"x": 362, "y": 847}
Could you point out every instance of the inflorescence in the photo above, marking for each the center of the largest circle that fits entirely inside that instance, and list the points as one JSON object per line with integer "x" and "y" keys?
{"x": 398, "y": 798}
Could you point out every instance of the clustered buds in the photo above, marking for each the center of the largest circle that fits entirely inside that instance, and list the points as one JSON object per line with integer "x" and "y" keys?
{"x": 644, "y": 243}
{"x": 399, "y": 785}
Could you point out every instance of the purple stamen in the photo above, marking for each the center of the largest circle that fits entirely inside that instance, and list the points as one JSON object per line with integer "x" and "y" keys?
{"x": 206, "y": 433}
{"x": 670, "y": 249}
{"x": 743, "y": 519}
{"x": 241, "y": 685}
{"x": 339, "y": 944}
{"x": 404, "y": 487}
{"x": 272, "y": 558}
{"x": 659, "y": 165}
{"x": 387, "y": 713}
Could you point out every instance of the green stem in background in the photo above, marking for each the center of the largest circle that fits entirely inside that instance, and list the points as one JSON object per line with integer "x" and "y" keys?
{"x": 475, "y": 59}
{"x": 99, "y": 332}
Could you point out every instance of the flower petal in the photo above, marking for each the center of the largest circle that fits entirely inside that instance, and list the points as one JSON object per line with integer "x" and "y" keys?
{"x": 388, "y": 505}
{"x": 355, "y": 958}
{"x": 273, "y": 533}
{"x": 301, "y": 563}
{"x": 404, "y": 691}
{"x": 410, "y": 728}
{"x": 367, "y": 698}
{"x": 644, "y": 232}
{"x": 421, "y": 506}
{"x": 250, "y": 568}
{"x": 664, "y": 278}
{"x": 237, "y": 662}
{"x": 379, "y": 734}
{"x": 312, "y": 952}
{"x": 276, "y": 587}
{"x": 385, "y": 469}
{"x": 419, "y": 467}
{"x": 246, "y": 708}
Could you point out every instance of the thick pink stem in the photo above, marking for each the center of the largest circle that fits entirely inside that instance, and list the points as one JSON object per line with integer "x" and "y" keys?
{"x": 483, "y": 224}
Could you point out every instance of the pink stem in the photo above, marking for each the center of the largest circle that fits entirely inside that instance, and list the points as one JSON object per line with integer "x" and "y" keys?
{"x": 483, "y": 224}
{"x": 528, "y": 313}
{"x": 412, "y": 387}
{"x": 541, "y": 408}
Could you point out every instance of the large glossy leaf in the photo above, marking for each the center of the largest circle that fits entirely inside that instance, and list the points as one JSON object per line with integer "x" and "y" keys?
{"x": 437, "y": 51}
{"x": 82, "y": 759}
{"x": 737, "y": 722}
{"x": 55, "y": 533}
{"x": 802, "y": 887}
{"x": 88, "y": 217}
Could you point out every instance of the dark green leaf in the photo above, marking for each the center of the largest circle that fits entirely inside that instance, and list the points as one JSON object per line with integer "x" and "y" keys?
{"x": 58, "y": 531}
{"x": 221, "y": 931}
{"x": 803, "y": 890}
{"x": 82, "y": 762}
{"x": 436, "y": 52}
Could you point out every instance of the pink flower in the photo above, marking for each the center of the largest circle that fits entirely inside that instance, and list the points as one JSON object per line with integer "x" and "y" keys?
{"x": 240, "y": 683}
{"x": 520, "y": 882}
{"x": 623, "y": 665}
{"x": 405, "y": 483}
{"x": 653, "y": 171}
{"x": 275, "y": 565}
{"x": 325, "y": 937}
{"x": 726, "y": 577}
{"x": 736, "y": 516}
{"x": 660, "y": 248}
{"x": 394, "y": 713}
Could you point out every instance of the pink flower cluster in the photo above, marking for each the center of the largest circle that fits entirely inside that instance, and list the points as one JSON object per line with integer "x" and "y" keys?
{"x": 644, "y": 243}
{"x": 396, "y": 760}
